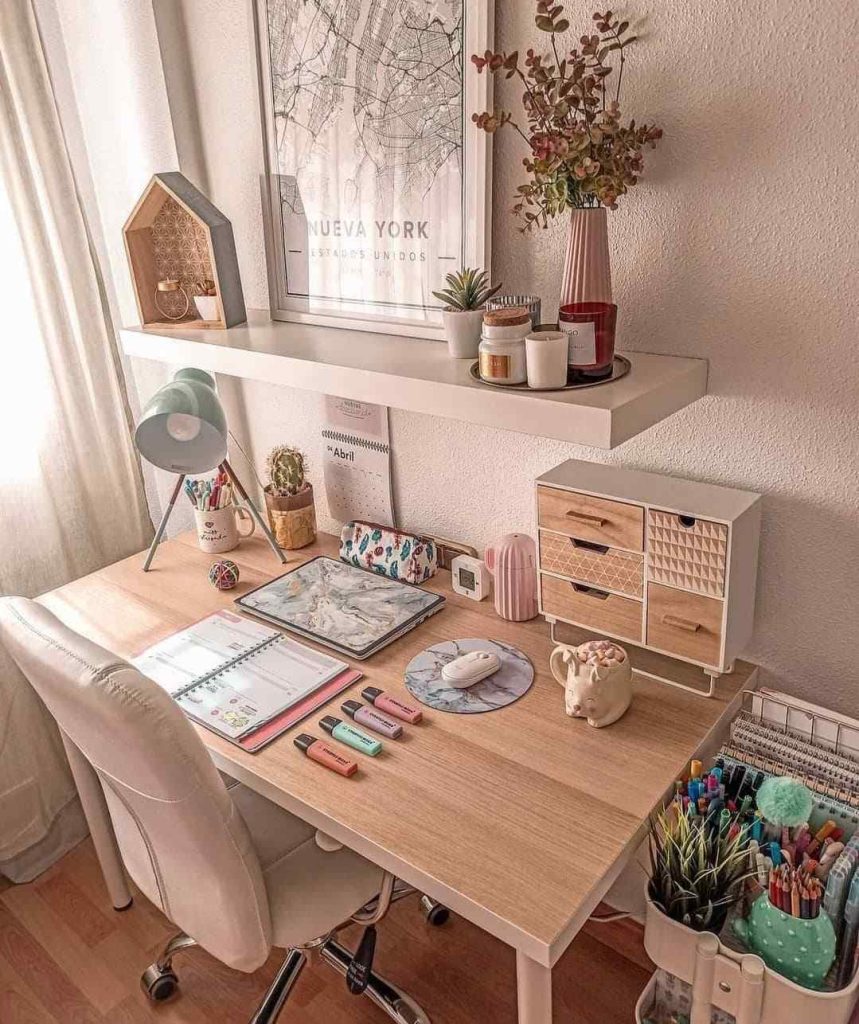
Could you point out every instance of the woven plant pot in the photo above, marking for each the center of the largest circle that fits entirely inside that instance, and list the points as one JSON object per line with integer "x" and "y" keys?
{"x": 292, "y": 518}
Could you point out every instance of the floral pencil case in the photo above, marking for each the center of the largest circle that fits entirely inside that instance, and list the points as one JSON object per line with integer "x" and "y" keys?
{"x": 382, "y": 549}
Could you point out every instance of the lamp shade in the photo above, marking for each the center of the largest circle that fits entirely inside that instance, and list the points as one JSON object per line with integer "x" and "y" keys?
{"x": 183, "y": 427}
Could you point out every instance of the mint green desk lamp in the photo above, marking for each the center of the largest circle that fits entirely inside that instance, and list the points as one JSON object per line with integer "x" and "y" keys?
{"x": 183, "y": 429}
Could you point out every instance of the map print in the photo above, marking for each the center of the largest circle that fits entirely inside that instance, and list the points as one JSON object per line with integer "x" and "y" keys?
{"x": 368, "y": 125}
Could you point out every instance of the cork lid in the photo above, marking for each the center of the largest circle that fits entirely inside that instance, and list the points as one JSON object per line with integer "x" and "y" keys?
{"x": 510, "y": 317}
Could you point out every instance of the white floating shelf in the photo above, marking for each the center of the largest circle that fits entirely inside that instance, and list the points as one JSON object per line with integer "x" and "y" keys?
{"x": 418, "y": 375}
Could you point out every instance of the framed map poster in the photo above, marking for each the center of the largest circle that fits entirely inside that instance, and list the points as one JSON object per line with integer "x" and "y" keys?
{"x": 377, "y": 183}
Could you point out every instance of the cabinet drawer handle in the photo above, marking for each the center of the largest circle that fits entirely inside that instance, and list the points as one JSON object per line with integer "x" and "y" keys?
{"x": 580, "y": 588}
{"x": 582, "y": 517}
{"x": 588, "y": 545}
{"x": 687, "y": 624}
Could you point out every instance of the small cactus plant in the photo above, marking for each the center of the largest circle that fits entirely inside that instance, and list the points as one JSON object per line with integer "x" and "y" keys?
{"x": 469, "y": 289}
{"x": 285, "y": 467}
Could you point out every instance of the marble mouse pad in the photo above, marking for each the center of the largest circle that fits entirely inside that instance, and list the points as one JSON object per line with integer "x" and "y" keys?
{"x": 423, "y": 677}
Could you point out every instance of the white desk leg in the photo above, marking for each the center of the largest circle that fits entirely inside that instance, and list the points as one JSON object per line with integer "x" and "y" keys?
{"x": 100, "y": 826}
{"x": 534, "y": 990}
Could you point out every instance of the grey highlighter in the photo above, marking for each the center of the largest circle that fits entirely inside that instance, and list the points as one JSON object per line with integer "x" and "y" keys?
{"x": 372, "y": 719}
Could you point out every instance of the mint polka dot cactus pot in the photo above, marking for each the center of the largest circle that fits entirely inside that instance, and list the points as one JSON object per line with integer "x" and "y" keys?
{"x": 801, "y": 950}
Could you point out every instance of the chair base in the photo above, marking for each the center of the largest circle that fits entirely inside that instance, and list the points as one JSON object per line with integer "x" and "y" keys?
{"x": 278, "y": 992}
{"x": 159, "y": 982}
{"x": 396, "y": 1004}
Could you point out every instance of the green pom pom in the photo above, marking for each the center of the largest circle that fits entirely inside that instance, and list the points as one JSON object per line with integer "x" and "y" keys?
{"x": 785, "y": 801}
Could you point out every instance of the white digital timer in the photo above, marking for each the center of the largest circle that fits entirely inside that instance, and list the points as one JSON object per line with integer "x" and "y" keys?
{"x": 469, "y": 577}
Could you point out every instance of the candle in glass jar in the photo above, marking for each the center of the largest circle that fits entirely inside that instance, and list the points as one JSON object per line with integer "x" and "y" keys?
{"x": 590, "y": 326}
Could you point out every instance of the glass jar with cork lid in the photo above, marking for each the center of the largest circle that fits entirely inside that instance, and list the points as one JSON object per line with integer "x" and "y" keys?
{"x": 502, "y": 345}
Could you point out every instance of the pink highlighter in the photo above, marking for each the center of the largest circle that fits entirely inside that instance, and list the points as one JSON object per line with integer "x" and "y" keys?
{"x": 372, "y": 719}
{"x": 391, "y": 704}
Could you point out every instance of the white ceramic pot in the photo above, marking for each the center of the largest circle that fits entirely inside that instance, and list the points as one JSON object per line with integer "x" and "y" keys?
{"x": 462, "y": 329}
{"x": 207, "y": 307}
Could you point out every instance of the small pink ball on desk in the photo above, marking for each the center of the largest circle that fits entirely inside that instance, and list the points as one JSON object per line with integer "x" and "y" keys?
{"x": 224, "y": 574}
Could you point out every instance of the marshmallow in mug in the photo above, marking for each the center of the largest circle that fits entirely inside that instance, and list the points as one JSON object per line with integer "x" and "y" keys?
{"x": 600, "y": 652}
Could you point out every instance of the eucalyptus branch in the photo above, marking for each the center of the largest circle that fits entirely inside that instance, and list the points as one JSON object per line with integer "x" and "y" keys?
{"x": 531, "y": 96}
{"x": 581, "y": 154}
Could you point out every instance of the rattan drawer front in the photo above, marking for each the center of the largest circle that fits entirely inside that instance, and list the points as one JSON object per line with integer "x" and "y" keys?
{"x": 596, "y": 564}
{"x": 595, "y": 519}
{"x": 590, "y": 607}
{"x": 688, "y": 625}
{"x": 687, "y": 553}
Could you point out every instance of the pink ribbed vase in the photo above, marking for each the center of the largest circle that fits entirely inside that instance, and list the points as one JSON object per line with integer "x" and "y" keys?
{"x": 587, "y": 270}
{"x": 512, "y": 560}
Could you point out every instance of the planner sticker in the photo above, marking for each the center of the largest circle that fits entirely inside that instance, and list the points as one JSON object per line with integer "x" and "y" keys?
{"x": 357, "y": 461}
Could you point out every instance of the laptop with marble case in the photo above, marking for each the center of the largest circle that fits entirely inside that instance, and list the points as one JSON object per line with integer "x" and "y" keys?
{"x": 353, "y": 611}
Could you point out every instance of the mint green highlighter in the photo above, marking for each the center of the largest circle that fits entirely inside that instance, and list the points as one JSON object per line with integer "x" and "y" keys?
{"x": 352, "y": 737}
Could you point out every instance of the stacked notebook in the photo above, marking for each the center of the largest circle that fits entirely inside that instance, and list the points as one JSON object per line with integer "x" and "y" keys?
{"x": 242, "y": 679}
{"x": 782, "y": 735}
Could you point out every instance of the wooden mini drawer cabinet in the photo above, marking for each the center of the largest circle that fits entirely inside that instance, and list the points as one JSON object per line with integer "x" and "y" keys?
{"x": 667, "y": 563}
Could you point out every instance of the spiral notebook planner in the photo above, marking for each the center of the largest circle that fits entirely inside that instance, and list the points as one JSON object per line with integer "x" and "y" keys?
{"x": 234, "y": 675}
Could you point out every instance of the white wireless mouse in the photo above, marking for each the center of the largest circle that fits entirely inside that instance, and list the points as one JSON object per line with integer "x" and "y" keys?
{"x": 468, "y": 669}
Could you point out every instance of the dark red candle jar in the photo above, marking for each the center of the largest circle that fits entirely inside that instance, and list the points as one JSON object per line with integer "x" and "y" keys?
{"x": 590, "y": 326}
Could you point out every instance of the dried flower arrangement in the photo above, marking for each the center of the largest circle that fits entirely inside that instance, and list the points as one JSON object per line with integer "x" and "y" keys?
{"x": 581, "y": 154}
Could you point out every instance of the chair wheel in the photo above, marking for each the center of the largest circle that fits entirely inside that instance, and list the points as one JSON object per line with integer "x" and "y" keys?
{"x": 435, "y": 913}
{"x": 158, "y": 984}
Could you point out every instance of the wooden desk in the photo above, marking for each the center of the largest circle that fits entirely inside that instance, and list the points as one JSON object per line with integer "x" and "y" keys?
{"x": 518, "y": 820}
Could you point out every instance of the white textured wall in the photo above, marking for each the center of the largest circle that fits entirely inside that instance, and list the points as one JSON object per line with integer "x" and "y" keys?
{"x": 740, "y": 248}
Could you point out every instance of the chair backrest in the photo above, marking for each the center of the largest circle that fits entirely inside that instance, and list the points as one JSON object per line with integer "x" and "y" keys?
{"x": 181, "y": 838}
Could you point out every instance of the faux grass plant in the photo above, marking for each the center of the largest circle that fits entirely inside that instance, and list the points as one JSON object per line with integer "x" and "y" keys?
{"x": 696, "y": 870}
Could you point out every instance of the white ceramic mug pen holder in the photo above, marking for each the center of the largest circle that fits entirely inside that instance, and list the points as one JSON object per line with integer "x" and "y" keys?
{"x": 220, "y": 529}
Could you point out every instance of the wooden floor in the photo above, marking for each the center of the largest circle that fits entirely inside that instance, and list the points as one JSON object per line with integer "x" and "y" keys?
{"x": 66, "y": 957}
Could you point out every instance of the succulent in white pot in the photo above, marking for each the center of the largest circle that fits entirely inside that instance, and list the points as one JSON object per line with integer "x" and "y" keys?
{"x": 464, "y": 299}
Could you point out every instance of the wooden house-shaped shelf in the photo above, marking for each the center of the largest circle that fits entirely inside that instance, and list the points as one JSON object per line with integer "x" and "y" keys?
{"x": 174, "y": 234}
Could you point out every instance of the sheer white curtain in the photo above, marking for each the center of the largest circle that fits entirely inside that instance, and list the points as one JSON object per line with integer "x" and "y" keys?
{"x": 71, "y": 497}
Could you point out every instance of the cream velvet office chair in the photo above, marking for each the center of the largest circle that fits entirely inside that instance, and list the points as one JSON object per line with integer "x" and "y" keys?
{"x": 235, "y": 872}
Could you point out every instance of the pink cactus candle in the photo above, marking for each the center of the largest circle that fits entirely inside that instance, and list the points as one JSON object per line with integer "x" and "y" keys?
{"x": 512, "y": 560}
